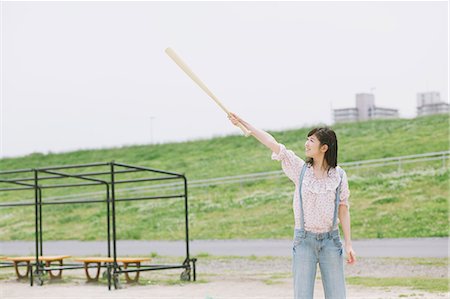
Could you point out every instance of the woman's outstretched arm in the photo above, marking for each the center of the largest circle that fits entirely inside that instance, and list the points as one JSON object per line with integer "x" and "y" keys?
{"x": 262, "y": 136}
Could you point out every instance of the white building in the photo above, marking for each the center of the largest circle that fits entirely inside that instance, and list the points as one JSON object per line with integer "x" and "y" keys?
{"x": 430, "y": 103}
{"x": 345, "y": 115}
{"x": 365, "y": 110}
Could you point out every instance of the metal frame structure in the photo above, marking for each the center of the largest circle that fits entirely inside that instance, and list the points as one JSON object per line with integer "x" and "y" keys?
{"x": 38, "y": 178}
{"x": 20, "y": 186}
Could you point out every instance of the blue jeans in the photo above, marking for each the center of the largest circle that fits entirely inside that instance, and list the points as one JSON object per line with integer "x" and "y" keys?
{"x": 325, "y": 249}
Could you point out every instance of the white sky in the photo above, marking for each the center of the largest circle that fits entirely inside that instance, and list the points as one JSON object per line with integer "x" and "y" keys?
{"x": 79, "y": 75}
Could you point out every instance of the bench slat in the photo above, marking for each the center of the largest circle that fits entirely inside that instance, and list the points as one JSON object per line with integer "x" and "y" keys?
{"x": 41, "y": 258}
{"x": 110, "y": 259}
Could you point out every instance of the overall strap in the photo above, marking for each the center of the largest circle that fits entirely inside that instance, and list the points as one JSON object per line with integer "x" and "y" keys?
{"x": 338, "y": 196}
{"x": 302, "y": 174}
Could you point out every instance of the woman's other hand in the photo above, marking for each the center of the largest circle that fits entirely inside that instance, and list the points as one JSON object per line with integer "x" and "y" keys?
{"x": 351, "y": 255}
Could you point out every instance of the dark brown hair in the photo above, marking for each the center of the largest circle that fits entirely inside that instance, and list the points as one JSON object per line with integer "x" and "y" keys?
{"x": 326, "y": 136}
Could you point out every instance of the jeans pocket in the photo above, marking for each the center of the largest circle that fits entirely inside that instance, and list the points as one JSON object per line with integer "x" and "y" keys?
{"x": 297, "y": 241}
{"x": 337, "y": 242}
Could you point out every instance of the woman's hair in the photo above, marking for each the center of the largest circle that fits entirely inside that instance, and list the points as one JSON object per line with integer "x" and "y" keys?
{"x": 328, "y": 137}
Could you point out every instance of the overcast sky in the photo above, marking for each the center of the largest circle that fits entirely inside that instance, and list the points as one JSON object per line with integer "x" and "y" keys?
{"x": 79, "y": 75}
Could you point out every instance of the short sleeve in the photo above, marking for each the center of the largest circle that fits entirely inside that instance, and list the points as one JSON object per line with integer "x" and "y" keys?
{"x": 345, "y": 191}
{"x": 290, "y": 163}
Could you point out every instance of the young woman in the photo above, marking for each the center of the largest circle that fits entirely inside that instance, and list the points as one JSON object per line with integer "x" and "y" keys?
{"x": 320, "y": 203}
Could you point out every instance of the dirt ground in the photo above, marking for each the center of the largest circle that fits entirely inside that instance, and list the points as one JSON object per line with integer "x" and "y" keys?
{"x": 230, "y": 277}
{"x": 210, "y": 290}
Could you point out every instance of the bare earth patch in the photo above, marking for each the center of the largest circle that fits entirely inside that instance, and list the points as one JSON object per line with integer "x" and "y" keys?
{"x": 231, "y": 277}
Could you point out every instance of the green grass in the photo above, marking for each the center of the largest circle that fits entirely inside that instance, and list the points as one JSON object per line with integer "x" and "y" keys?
{"x": 418, "y": 283}
{"x": 277, "y": 278}
{"x": 429, "y": 261}
{"x": 385, "y": 203}
{"x": 234, "y": 154}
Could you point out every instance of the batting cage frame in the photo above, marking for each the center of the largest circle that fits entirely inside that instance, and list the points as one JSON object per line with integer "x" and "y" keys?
{"x": 82, "y": 175}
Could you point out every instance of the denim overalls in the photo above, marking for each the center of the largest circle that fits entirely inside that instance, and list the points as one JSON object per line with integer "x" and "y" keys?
{"x": 324, "y": 248}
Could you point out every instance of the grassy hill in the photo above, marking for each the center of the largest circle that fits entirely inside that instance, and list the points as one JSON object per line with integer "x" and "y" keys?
{"x": 396, "y": 204}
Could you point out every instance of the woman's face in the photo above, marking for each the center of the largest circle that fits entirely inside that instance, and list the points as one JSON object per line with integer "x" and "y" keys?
{"x": 312, "y": 147}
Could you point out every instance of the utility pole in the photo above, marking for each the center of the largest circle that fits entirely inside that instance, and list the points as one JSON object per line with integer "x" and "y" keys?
{"x": 151, "y": 129}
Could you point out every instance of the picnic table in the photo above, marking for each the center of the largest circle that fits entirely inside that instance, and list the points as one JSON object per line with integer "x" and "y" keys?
{"x": 126, "y": 261}
{"x": 18, "y": 261}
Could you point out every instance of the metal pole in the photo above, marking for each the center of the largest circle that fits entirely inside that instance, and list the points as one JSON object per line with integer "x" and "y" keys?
{"x": 36, "y": 222}
{"x": 108, "y": 221}
{"x": 40, "y": 222}
{"x": 113, "y": 224}
{"x": 186, "y": 216}
{"x": 151, "y": 129}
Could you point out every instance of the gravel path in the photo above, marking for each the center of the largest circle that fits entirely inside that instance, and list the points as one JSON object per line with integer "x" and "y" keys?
{"x": 212, "y": 290}
{"x": 368, "y": 267}
{"x": 233, "y": 277}
{"x": 411, "y": 247}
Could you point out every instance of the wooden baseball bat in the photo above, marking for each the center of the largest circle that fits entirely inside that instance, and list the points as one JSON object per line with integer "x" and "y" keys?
{"x": 177, "y": 59}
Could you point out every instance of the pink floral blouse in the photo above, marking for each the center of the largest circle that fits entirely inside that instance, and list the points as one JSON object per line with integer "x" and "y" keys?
{"x": 318, "y": 195}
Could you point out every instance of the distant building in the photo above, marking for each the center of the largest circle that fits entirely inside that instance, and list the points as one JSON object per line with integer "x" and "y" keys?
{"x": 430, "y": 103}
{"x": 365, "y": 110}
{"x": 345, "y": 115}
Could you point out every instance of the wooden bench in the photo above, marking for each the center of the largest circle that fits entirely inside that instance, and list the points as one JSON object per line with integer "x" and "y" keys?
{"x": 126, "y": 261}
{"x": 27, "y": 259}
